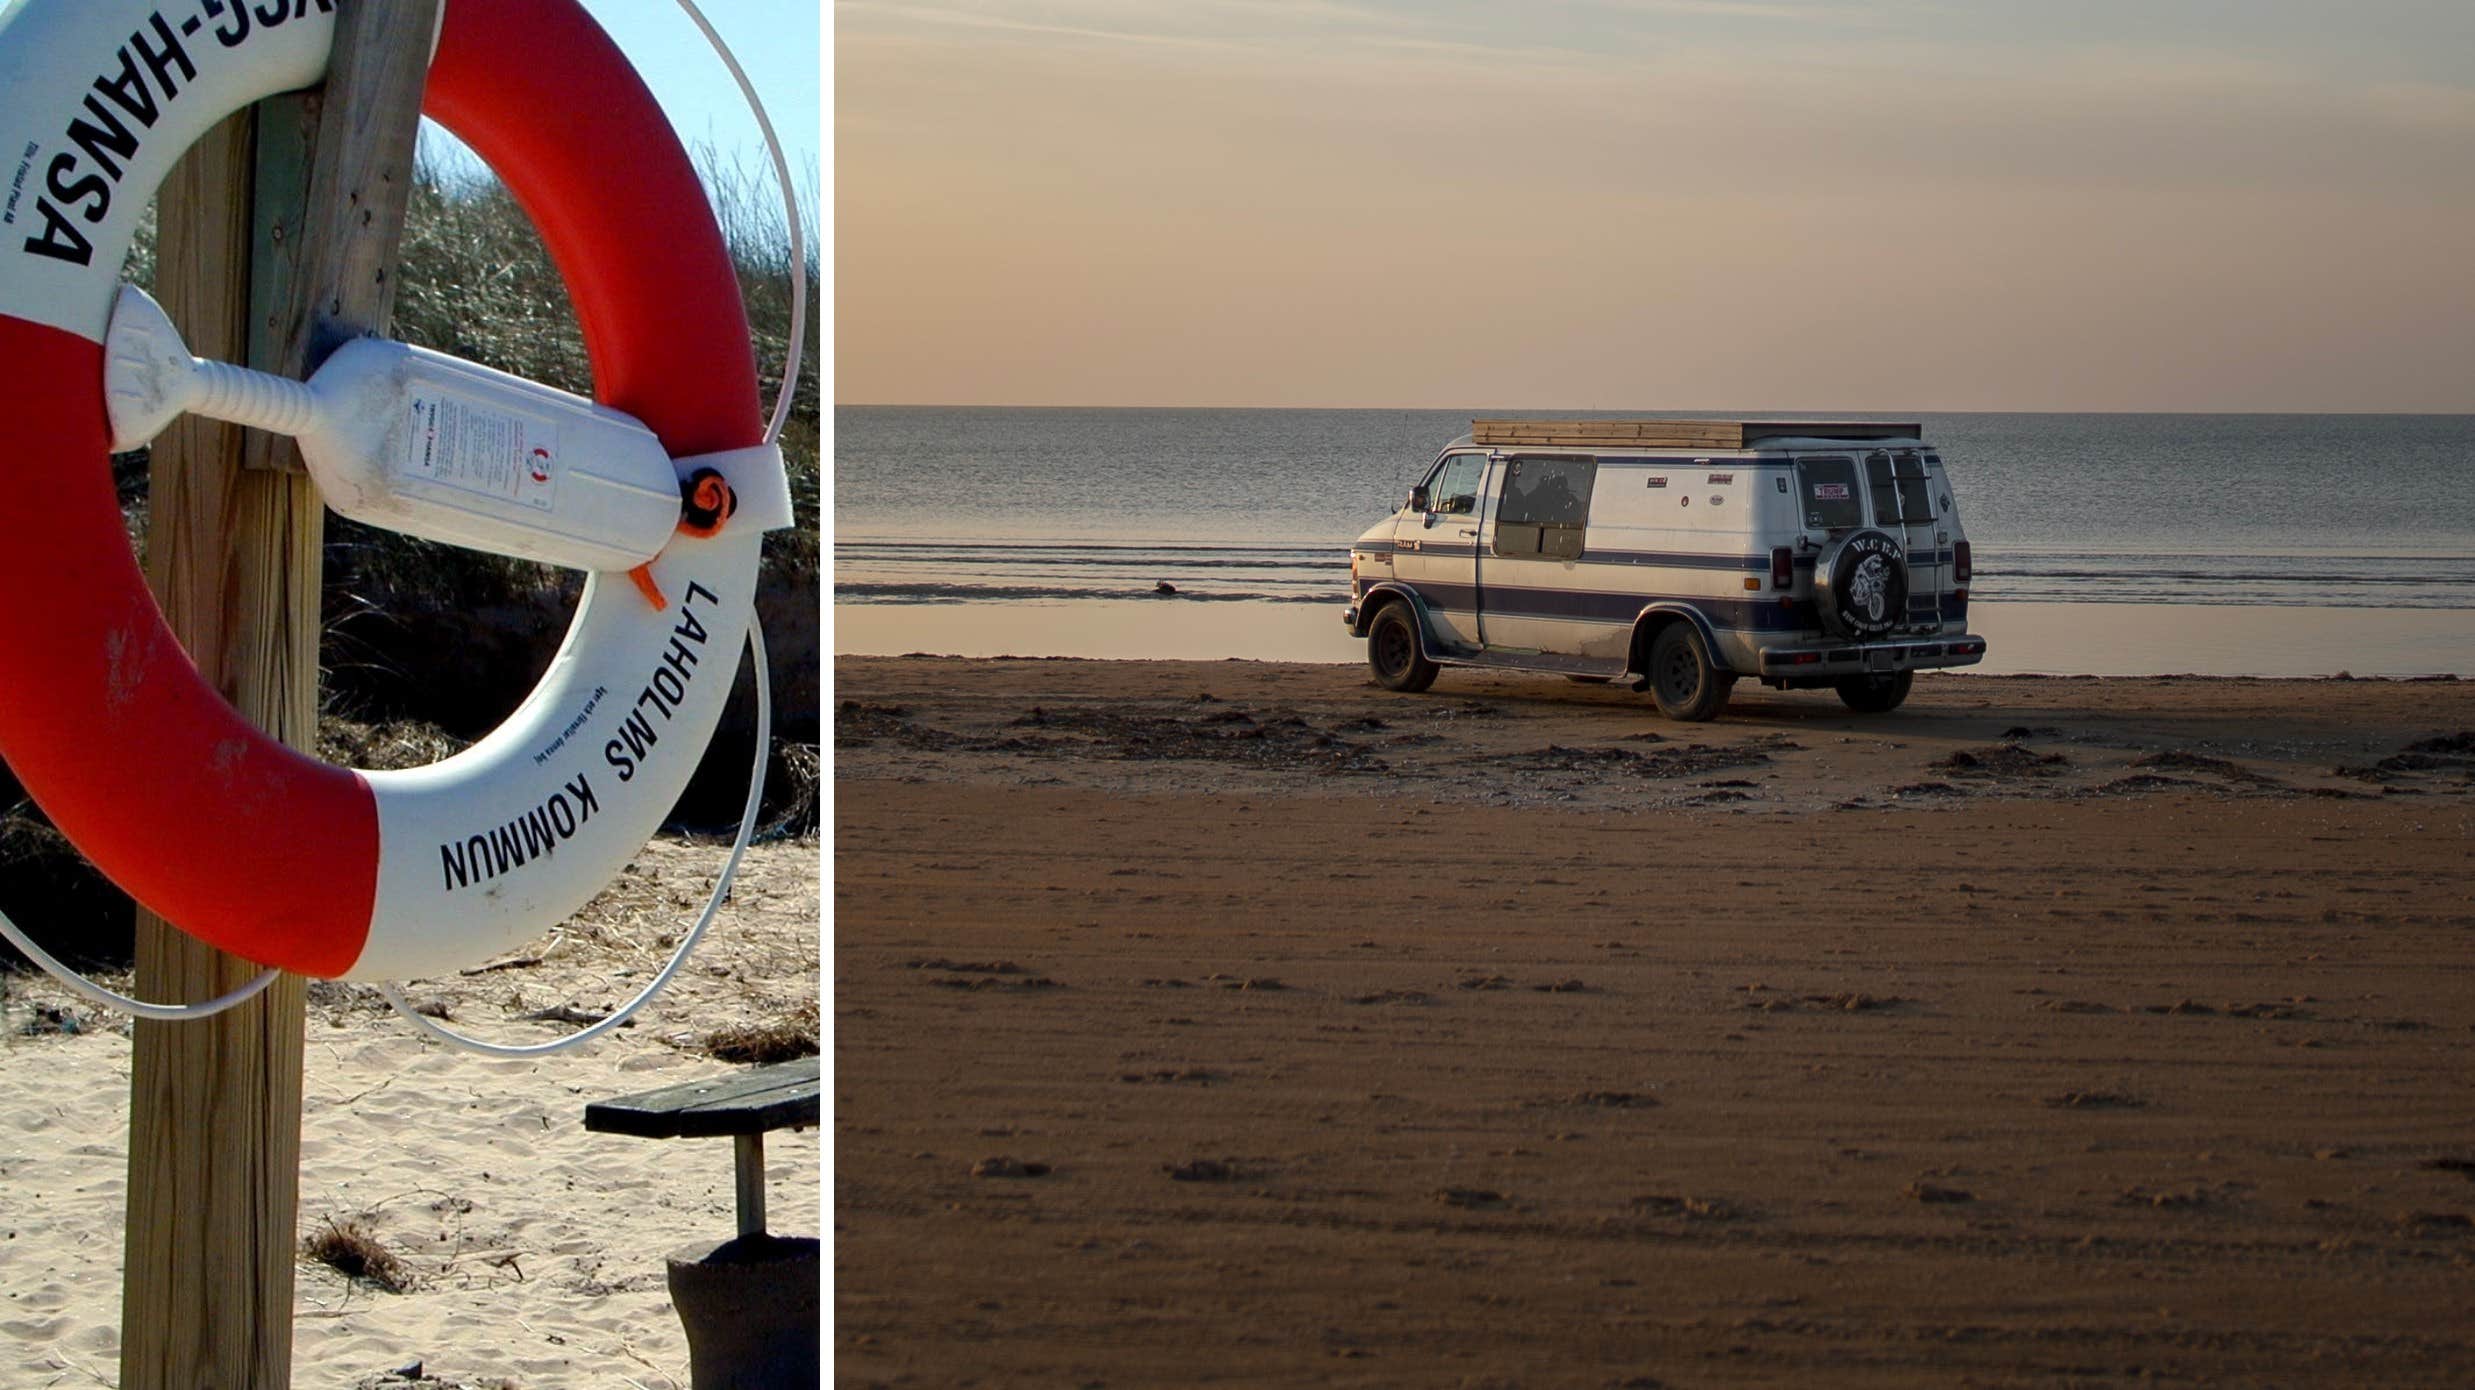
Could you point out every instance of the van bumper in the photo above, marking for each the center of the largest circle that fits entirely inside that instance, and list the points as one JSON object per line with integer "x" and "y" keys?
{"x": 1863, "y": 658}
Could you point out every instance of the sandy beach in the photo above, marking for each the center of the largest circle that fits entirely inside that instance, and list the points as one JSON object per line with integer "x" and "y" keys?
{"x": 1239, "y": 1023}
{"x": 532, "y": 1250}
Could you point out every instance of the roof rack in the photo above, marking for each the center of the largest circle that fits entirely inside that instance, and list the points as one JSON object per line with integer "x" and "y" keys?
{"x": 1679, "y": 434}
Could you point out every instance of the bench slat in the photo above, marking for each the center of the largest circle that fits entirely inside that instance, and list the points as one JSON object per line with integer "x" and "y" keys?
{"x": 786, "y": 1096}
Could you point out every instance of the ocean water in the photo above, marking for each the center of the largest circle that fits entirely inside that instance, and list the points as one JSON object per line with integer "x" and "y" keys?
{"x": 1012, "y": 510}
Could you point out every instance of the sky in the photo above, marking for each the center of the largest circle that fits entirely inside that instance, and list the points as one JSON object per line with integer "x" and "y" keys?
{"x": 2208, "y": 205}
{"x": 778, "y": 42}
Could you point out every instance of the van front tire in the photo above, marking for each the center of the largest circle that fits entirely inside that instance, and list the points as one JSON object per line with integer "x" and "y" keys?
{"x": 1684, "y": 682}
{"x": 1393, "y": 654}
{"x": 1875, "y": 694}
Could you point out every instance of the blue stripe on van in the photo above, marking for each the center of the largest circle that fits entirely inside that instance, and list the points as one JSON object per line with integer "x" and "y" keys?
{"x": 1679, "y": 559}
{"x": 1672, "y": 559}
{"x": 1585, "y": 605}
{"x": 1744, "y": 615}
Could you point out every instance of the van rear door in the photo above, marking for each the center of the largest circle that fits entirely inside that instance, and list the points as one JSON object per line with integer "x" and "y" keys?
{"x": 1902, "y": 490}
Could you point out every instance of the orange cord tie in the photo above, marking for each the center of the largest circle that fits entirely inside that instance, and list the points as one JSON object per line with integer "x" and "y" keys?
{"x": 643, "y": 575}
{"x": 706, "y": 501}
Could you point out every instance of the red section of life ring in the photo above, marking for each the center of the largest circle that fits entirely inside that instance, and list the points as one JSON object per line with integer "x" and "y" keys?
{"x": 236, "y": 839}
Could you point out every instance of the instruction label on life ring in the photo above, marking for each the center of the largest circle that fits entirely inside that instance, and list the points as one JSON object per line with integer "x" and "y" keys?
{"x": 474, "y": 447}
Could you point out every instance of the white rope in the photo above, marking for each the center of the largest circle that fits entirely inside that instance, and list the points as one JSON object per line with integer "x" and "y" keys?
{"x": 88, "y": 990}
{"x": 678, "y": 958}
{"x": 782, "y": 402}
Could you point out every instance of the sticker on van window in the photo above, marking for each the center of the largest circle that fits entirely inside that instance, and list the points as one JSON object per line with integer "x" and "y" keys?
{"x": 1658, "y": 482}
{"x": 1717, "y": 478}
{"x": 1830, "y": 492}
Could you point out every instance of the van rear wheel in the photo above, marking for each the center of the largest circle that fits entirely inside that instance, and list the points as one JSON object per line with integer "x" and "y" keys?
{"x": 1687, "y": 685}
{"x": 1392, "y": 652}
{"x": 1875, "y": 694}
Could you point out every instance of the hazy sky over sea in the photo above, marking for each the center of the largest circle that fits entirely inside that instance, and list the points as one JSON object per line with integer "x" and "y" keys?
{"x": 2238, "y": 205}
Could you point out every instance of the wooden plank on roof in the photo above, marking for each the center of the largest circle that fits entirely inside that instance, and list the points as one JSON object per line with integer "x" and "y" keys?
{"x": 1678, "y": 434}
{"x": 1689, "y": 434}
{"x": 1808, "y": 429}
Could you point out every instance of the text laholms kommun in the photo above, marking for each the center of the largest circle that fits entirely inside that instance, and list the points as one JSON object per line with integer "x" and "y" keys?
{"x": 485, "y": 855}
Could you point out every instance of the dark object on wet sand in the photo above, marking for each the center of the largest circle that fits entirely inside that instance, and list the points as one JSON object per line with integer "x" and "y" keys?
{"x": 1928, "y": 1192}
{"x": 1006, "y": 1166}
{"x": 2001, "y": 760}
{"x": 750, "y": 1304}
{"x": 1164, "y": 587}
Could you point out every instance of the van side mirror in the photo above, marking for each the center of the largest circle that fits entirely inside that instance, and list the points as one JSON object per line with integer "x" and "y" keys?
{"x": 1418, "y": 498}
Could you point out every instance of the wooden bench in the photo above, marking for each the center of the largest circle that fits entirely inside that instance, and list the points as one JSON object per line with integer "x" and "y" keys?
{"x": 744, "y": 1105}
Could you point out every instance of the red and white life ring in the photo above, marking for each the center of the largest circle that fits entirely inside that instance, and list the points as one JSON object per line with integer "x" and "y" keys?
{"x": 238, "y": 840}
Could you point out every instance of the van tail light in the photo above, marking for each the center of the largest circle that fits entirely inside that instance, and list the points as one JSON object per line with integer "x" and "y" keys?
{"x": 1961, "y": 572}
{"x": 1782, "y": 568}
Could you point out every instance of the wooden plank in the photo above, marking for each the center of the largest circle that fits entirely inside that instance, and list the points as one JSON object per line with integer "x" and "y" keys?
{"x": 1677, "y": 434}
{"x": 786, "y": 1096}
{"x": 233, "y": 552}
{"x": 335, "y": 276}
{"x": 215, "y": 1107}
{"x": 1613, "y": 429}
{"x": 1846, "y": 429}
{"x": 279, "y": 202}
{"x": 1636, "y": 434}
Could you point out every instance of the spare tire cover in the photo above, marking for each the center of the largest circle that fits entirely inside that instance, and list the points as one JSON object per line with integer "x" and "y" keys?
{"x": 1861, "y": 584}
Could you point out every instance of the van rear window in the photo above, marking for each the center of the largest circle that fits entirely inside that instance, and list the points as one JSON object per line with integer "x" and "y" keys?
{"x": 1901, "y": 491}
{"x": 1828, "y": 488}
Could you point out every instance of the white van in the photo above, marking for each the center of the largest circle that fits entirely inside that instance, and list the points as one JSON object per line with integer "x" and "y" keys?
{"x": 1688, "y": 553}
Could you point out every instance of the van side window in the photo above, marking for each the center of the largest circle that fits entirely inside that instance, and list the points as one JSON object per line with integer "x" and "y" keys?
{"x": 1546, "y": 505}
{"x": 1827, "y": 489}
{"x": 1901, "y": 491}
{"x": 1453, "y": 488}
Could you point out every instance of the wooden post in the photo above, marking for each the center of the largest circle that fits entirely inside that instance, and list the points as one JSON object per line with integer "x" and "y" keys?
{"x": 233, "y": 553}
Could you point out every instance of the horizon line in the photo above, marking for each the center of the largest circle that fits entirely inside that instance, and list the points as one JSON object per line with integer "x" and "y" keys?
{"x": 1576, "y": 411}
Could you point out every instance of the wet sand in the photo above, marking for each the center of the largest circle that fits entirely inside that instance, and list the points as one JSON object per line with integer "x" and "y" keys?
{"x": 2027, "y": 638}
{"x": 1233, "y": 1023}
